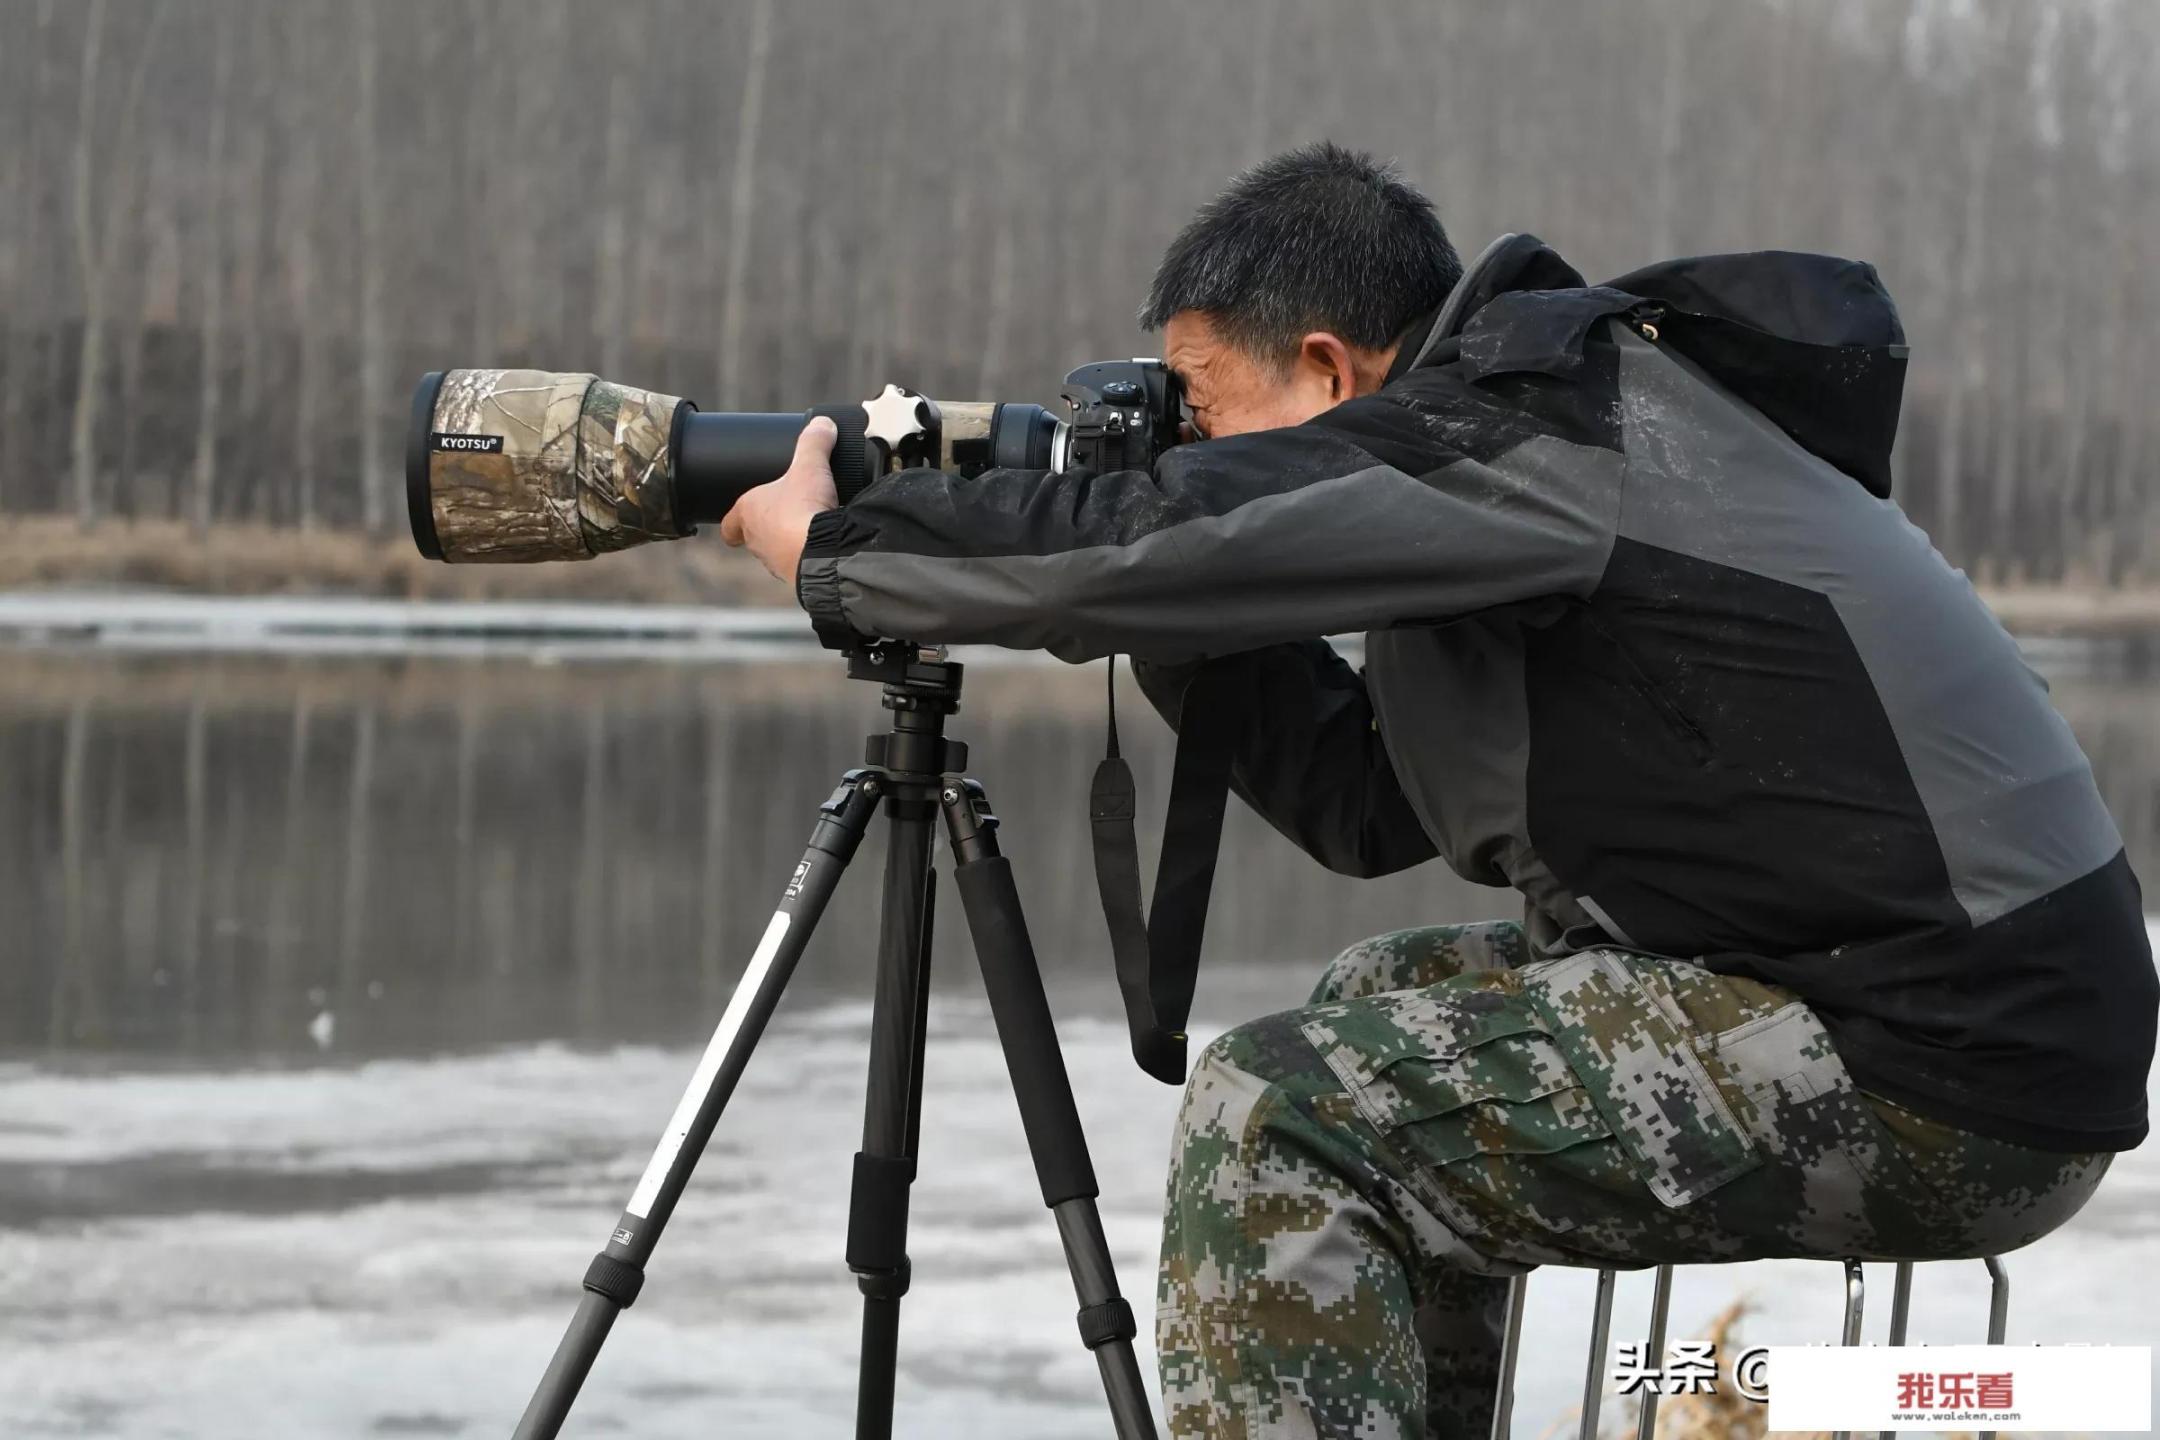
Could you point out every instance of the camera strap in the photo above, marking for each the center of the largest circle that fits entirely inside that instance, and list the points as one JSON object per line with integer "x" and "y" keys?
{"x": 1158, "y": 952}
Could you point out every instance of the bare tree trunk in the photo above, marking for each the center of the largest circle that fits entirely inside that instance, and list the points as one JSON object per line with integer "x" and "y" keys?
{"x": 1971, "y": 319}
{"x": 990, "y": 374}
{"x": 887, "y": 287}
{"x": 29, "y": 318}
{"x": 2091, "y": 345}
{"x": 611, "y": 266}
{"x": 309, "y": 319}
{"x": 1259, "y": 97}
{"x": 307, "y": 301}
{"x": 749, "y": 122}
{"x": 965, "y": 222}
{"x": 1672, "y": 109}
{"x": 251, "y": 497}
{"x": 487, "y": 30}
{"x": 131, "y": 401}
{"x": 90, "y": 361}
{"x": 97, "y": 237}
{"x": 2133, "y": 550}
{"x": 210, "y": 389}
{"x": 1083, "y": 30}
{"x": 791, "y": 376}
{"x": 2011, "y": 416}
{"x": 373, "y": 394}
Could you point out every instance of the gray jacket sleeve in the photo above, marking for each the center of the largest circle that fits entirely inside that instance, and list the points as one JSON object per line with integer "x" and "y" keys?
{"x": 1311, "y": 761}
{"x": 1363, "y": 518}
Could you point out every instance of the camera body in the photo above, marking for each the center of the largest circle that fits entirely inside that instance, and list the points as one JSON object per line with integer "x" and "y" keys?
{"x": 1122, "y": 414}
{"x": 517, "y": 466}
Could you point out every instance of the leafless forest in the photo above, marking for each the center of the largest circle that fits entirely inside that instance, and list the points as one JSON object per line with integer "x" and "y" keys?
{"x": 233, "y": 232}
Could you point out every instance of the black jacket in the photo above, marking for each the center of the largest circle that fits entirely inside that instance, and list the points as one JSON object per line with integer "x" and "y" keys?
{"x": 1647, "y": 641}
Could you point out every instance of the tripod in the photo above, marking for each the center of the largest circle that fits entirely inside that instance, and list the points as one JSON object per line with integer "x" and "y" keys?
{"x": 914, "y": 770}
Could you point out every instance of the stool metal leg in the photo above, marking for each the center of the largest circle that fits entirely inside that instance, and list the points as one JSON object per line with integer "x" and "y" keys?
{"x": 1900, "y": 1314}
{"x": 1998, "y": 1300}
{"x": 1600, "y": 1339}
{"x": 1901, "y": 1302}
{"x": 1855, "y": 1291}
{"x": 1998, "y": 1310}
{"x": 1660, "y": 1303}
{"x": 1503, "y": 1415}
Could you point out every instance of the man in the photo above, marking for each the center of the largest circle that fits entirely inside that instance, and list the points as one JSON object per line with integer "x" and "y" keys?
{"x": 1829, "y": 947}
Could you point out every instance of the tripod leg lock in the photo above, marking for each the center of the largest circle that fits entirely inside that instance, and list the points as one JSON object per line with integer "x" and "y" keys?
{"x": 612, "y": 1279}
{"x": 877, "y": 1224}
{"x": 1111, "y": 1320}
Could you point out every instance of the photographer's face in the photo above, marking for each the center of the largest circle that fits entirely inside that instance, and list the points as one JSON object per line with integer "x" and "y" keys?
{"x": 1231, "y": 392}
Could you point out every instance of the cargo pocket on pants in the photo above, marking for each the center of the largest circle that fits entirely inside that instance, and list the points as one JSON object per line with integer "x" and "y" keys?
{"x": 1451, "y": 1073}
{"x": 1646, "y": 1069}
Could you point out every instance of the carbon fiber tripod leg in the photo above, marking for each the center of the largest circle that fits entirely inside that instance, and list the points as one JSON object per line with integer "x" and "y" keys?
{"x": 1052, "y": 1121}
{"x": 892, "y": 1104}
{"x": 617, "y": 1273}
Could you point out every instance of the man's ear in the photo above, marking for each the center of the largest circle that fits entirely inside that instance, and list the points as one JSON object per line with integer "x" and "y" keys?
{"x": 1327, "y": 359}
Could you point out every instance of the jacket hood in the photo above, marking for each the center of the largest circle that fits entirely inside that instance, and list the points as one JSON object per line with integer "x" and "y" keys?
{"x": 1813, "y": 342}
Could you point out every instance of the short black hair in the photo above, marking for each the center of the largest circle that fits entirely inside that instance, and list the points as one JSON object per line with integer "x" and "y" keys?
{"x": 1317, "y": 238}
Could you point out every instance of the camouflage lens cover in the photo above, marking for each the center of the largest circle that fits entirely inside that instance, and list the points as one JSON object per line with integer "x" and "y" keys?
{"x": 529, "y": 465}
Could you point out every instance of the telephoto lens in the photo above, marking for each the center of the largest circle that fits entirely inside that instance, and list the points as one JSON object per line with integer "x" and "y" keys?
{"x": 516, "y": 466}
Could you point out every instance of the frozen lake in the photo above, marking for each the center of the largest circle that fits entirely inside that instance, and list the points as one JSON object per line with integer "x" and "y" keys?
{"x": 343, "y": 1001}
{"x": 392, "y": 1248}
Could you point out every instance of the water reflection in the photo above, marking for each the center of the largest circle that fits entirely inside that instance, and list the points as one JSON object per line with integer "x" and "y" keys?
{"x": 264, "y": 856}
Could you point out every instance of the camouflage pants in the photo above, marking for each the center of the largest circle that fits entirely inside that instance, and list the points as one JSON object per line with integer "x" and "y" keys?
{"x": 1354, "y": 1180}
